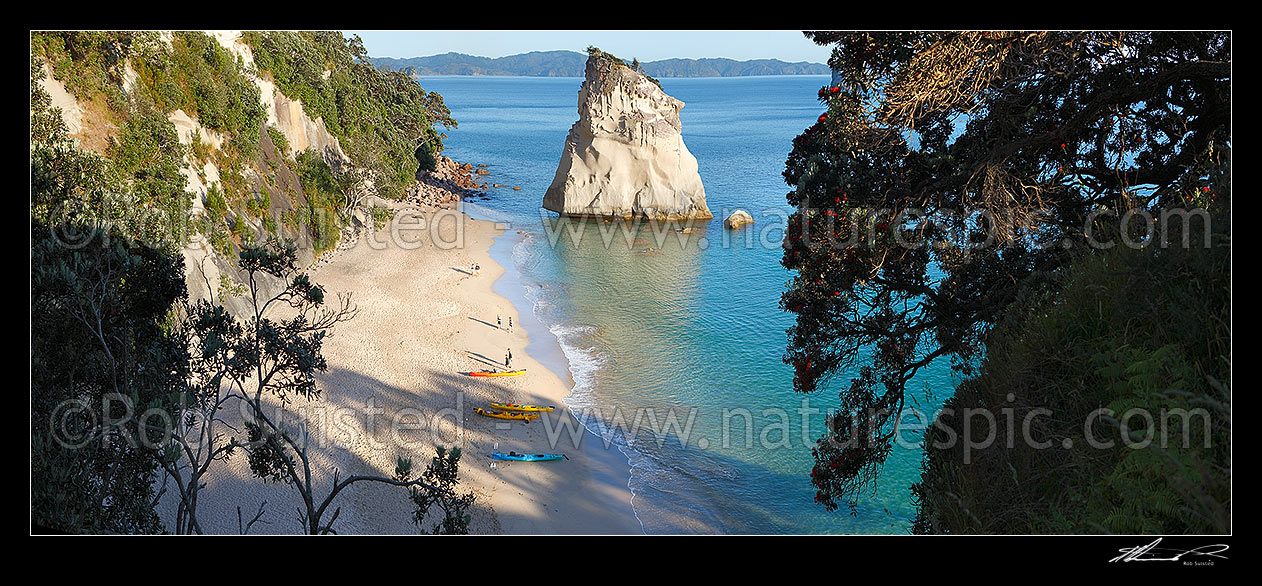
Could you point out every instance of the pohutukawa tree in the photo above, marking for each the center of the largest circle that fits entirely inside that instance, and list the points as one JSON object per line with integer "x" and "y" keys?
{"x": 956, "y": 172}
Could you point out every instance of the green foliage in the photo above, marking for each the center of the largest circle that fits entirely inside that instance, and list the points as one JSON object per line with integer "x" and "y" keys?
{"x": 220, "y": 240}
{"x": 199, "y": 149}
{"x": 278, "y": 140}
{"x": 149, "y": 155}
{"x": 324, "y": 199}
{"x": 1133, "y": 331}
{"x": 91, "y": 63}
{"x": 100, "y": 336}
{"x": 381, "y": 216}
{"x": 65, "y": 181}
{"x": 110, "y": 325}
{"x": 202, "y": 78}
{"x": 381, "y": 118}
{"x": 216, "y": 204}
{"x": 955, "y": 175}
{"x": 229, "y": 288}
{"x": 595, "y": 53}
{"x": 260, "y": 203}
{"x": 138, "y": 190}
{"x": 442, "y": 478}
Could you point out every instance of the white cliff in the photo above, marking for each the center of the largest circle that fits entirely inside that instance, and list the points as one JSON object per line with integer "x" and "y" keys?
{"x": 286, "y": 114}
{"x": 625, "y": 157}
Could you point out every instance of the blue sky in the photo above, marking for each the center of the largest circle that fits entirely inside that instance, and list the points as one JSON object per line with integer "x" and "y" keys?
{"x": 786, "y": 45}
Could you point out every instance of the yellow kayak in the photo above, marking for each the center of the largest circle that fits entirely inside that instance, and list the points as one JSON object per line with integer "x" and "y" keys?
{"x": 497, "y": 372}
{"x": 516, "y": 407}
{"x": 517, "y": 415}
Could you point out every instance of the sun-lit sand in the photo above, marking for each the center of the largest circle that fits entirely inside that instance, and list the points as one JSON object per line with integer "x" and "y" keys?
{"x": 395, "y": 387}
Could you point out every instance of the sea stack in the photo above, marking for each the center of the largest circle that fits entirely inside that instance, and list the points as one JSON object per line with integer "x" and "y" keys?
{"x": 625, "y": 157}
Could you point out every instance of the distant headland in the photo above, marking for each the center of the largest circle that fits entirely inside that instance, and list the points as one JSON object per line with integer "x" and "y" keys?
{"x": 571, "y": 64}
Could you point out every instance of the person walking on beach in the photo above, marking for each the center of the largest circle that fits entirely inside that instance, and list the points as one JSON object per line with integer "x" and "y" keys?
{"x": 508, "y": 358}
{"x": 498, "y": 323}
{"x": 510, "y": 323}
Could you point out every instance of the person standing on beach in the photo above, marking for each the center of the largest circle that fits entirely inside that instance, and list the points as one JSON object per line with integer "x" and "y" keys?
{"x": 498, "y": 323}
{"x": 508, "y": 358}
{"x": 510, "y": 323}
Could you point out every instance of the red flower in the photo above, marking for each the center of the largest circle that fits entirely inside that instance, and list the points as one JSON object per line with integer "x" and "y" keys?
{"x": 823, "y": 117}
{"x": 835, "y": 90}
{"x": 1062, "y": 145}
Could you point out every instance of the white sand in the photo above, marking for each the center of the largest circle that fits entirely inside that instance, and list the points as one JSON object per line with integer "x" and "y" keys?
{"x": 423, "y": 321}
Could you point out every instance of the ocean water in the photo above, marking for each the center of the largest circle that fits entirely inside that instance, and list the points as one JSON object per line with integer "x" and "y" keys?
{"x": 673, "y": 340}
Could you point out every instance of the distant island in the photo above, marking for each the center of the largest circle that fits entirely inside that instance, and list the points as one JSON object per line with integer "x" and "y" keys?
{"x": 571, "y": 64}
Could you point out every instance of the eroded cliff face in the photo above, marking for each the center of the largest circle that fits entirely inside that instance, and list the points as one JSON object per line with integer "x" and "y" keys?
{"x": 203, "y": 265}
{"x": 286, "y": 114}
{"x": 625, "y": 157}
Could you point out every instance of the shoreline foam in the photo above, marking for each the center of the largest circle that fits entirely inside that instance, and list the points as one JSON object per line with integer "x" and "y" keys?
{"x": 393, "y": 388}
{"x": 554, "y": 351}
{"x": 609, "y": 469}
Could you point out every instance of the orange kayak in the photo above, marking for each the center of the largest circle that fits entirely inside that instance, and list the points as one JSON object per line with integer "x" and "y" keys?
{"x": 498, "y": 372}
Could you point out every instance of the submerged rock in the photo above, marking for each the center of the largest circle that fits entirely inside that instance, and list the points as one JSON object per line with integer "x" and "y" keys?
{"x": 625, "y": 157}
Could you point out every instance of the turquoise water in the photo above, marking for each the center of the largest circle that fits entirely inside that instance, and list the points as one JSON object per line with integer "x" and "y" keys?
{"x": 660, "y": 323}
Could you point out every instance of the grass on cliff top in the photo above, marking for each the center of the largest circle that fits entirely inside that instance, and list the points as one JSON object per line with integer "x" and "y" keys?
{"x": 594, "y": 52}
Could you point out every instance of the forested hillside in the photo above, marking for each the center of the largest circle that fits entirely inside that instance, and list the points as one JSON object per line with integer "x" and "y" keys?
{"x": 179, "y": 180}
{"x": 274, "y": 132}
{"x": 571, "y": 63}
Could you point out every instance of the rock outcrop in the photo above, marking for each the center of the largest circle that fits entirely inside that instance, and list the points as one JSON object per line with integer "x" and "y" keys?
{"x": 737, "y": 219}
{"x": 446, "y": 185}
{"x": 625, "y": 157}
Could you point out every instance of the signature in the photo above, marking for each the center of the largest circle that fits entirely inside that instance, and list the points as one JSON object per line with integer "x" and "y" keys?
{"x": 1152, "y": 553}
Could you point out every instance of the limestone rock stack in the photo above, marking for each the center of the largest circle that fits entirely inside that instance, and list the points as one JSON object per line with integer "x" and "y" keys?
{"x": 625, "y": 157}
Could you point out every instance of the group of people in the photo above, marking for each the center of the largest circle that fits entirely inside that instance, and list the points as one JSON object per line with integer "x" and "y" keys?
{"x": 508, "y": 355}
{"x": 474, "y": 269}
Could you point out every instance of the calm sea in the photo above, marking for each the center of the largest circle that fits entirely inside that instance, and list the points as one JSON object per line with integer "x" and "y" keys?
{"x": 680, "y": 332}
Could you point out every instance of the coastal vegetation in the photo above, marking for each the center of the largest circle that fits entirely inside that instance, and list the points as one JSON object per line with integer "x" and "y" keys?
{"x": 384, "y": 121}
{"x": 383, "y": 118}
{"x": 594, "y": 52}
{"x": 1050, "y": 212}
{"x": 114, "y": 332}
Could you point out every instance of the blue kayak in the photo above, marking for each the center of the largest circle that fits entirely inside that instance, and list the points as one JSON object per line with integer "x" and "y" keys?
{"x": 526, "y": 457}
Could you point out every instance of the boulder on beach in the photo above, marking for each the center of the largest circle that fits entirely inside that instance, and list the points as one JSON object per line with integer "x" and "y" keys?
{"x": 737, "y": 219}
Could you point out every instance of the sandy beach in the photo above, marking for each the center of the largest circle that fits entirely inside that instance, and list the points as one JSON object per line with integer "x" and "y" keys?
{"x": 395, "y": 387}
